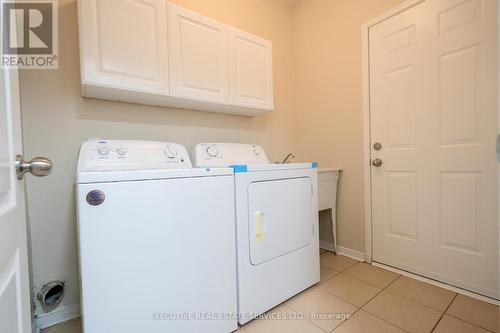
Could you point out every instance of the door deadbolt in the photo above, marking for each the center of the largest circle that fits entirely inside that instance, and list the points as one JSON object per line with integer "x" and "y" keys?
{"x": 377, "y": 146}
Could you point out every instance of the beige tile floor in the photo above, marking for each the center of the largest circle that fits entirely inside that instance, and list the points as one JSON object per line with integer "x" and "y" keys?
{"x": 375, "y": 300}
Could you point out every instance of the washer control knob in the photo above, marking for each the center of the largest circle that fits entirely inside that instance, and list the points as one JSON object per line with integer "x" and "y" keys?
{"x": 170, "y": 152}
{"x": 104, "y": 151}
{"x": 212, "y": 152}
{"x": 121, "y": 151}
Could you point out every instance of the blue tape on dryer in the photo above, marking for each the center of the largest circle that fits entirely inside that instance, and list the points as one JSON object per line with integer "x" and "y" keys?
{"x": 239, "y": 168}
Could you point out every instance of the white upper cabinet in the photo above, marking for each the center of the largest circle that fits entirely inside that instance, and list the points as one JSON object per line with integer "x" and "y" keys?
{"x": 251, "y": 70}
{"x": 197, "y": 56}
{"x": 123, "y": 44}
{"x": 156, "y": 53}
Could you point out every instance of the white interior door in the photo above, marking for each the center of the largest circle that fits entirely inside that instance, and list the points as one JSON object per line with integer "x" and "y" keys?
{"x": 14, "y": 278}
{"x": 433, "y": 109}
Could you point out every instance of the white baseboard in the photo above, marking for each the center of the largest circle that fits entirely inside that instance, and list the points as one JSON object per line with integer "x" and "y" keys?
{"x": 326, "y": 246}
{"x": 356, "y": 255}
{"x": 62, "y": 314}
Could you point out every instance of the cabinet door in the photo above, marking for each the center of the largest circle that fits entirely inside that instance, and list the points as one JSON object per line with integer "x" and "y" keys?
{"x": 251, "y": 70}
{"x": 198, "y": 56}
{"x": 123, "y": 44}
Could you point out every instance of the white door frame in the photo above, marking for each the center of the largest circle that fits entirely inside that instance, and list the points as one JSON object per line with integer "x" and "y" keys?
{"x": 365, "y": 28}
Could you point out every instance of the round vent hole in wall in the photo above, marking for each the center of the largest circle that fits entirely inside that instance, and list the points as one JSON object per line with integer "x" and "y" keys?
{"x": 52, "y": 293}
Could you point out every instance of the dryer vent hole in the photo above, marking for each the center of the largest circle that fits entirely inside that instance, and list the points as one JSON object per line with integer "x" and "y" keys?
{"x": 52, "y": 293}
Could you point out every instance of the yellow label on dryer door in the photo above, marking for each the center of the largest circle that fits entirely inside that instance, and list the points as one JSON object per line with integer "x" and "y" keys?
{"x": 259, "y": 227}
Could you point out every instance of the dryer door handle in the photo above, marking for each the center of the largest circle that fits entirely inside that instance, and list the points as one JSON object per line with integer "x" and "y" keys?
{"x": 259, "y": 225}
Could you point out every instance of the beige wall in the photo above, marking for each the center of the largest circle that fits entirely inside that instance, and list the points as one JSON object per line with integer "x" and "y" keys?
{"x": 56, "y": 120}
{"x": 329, "y": 98}
{"x": 317, "y": 82}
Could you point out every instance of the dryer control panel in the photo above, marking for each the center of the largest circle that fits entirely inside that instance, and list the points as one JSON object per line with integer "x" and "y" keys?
{"x": 227, "y": 154}
{"x": 126, "y": 155}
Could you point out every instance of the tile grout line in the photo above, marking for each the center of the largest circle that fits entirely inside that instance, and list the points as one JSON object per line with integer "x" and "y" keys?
{"x": 444, "y": 312}
{"x": 345, "y": 320}
{"x": 412, "y": 300}
{"x": 361, "y": 308}
{"x": 324, "y": 281}
{"x": 465, "y": 321}
{"x": 338, "y": 272}
{"x": 313, "y": 323}
{"x": 317, "y": 287}
{"x": 345, "y": 269}
{"x": 371, "y": 284}
{"x": 378, "y": 293}
{"x": 331, "y": 277}
{"x": 383, "y": 319}
{"x": 426, "y": 305}
{"x": 340, "y": 298}
{"x": 384, "y": 289}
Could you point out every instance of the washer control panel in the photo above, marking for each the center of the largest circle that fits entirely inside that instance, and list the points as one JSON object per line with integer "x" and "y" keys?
{"x": 227, "y": 154}
{"x": 126, "y": 155}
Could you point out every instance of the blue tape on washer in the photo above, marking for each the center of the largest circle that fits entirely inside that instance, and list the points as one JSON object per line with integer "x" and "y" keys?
{"x": 314, "y": 165}
{"x": 239, "y": 168}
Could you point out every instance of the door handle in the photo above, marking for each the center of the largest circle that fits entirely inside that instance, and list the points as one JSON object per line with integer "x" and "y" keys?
{"x": 39, "y": 166}
{"x": 377, "y": 162}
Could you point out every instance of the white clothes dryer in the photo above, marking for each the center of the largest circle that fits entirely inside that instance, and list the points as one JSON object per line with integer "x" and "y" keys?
{"x": 276, "y": 224}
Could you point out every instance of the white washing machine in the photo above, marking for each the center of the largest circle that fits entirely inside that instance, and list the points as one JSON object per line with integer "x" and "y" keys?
{"x": 276, "y": 224}
{"x": 156, "y": 240}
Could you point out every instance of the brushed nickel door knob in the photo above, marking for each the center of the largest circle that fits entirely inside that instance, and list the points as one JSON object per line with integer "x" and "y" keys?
{"x": 377, "y": 162}
{"x": 39, "y": 167}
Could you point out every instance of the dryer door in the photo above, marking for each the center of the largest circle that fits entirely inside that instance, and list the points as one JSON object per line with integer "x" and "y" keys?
{"x": 280, "y": 215}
